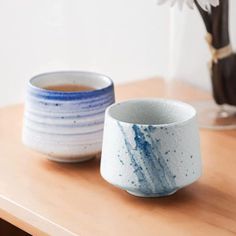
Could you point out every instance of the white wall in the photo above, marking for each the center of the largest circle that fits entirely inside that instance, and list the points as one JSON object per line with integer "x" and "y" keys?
{"x": 124, "y": 39}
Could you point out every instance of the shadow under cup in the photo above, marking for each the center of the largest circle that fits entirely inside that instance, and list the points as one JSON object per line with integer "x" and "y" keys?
{"x": 66, "y": 125}
{"x": 154, "y": 147}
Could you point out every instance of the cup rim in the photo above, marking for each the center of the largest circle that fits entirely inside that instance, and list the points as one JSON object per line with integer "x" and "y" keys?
{"x": 182, "y": 122}
{"x": 79, "y": 72}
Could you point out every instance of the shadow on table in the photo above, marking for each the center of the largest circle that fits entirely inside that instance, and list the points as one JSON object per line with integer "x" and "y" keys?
{"x": 90, "y": 165}
{"x": 181, "y": 197}
{"x": 196, "y": 199}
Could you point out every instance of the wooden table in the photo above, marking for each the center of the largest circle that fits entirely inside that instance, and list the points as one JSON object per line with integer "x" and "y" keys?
{"x": 46, "y": 198}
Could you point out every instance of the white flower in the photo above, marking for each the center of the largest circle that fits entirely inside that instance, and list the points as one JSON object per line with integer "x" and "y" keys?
{"x": 205, "y": 4}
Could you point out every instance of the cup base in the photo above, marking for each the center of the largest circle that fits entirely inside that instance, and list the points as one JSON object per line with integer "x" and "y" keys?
{"x": 140, "y": 194}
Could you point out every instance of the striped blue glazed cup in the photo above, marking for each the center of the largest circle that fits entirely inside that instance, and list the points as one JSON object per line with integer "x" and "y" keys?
{"x": 154, "y": 147}
{"x": 67, "y": 126}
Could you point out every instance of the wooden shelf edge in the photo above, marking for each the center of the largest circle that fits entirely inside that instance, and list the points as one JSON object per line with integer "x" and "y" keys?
{"x": 30, "y": 221}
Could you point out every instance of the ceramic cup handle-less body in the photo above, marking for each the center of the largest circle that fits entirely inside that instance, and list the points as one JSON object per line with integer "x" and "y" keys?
{"x": 66, "y": 126}
{"x": 151, "y": 147}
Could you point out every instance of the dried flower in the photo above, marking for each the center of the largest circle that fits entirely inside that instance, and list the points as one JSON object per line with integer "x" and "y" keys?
{"x": 205, "y": 4}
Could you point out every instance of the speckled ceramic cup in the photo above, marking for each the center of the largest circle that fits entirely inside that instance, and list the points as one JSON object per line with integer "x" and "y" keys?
{"x": 151, "y": 146}
{"x": 66, "y": 126}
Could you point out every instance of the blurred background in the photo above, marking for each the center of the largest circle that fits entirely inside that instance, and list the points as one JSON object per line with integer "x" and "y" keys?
{"x": 127, "y": 40}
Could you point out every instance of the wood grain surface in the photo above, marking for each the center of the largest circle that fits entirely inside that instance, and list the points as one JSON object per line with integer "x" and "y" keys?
{"x": 45, "y": 198}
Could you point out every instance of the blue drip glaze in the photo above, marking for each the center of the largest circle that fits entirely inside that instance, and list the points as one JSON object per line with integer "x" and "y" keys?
{"x": 70, "y": 96}
{"x": 157, "y": 171}
{"x": 95, "y": 105}
{"x": 154, "y": 161}
{"x": 143, "y": 184}
{"x": 70, "y": 115}
{"x": 90, "y": 106}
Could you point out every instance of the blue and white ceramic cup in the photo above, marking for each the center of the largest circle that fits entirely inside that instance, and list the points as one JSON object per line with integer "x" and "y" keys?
{"x": 66, "y": 126}
{"x": 151, "y": 146}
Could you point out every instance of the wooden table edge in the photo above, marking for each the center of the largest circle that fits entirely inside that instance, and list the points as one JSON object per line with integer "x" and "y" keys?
{"x": 28, "y": 220}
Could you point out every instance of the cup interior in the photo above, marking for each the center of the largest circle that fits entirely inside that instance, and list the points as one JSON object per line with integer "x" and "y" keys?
{"x": 90, "y": 79}
{"x": 151, "y": 111}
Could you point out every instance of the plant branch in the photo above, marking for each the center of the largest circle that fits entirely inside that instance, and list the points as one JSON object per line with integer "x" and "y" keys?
{"x": 205, "y": 16}
{"x": 220, "y": 24}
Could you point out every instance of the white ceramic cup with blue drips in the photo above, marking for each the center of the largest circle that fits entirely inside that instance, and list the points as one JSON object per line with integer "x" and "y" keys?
{"x": 66, "y": 126}
{"x": 151, "y": 146}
